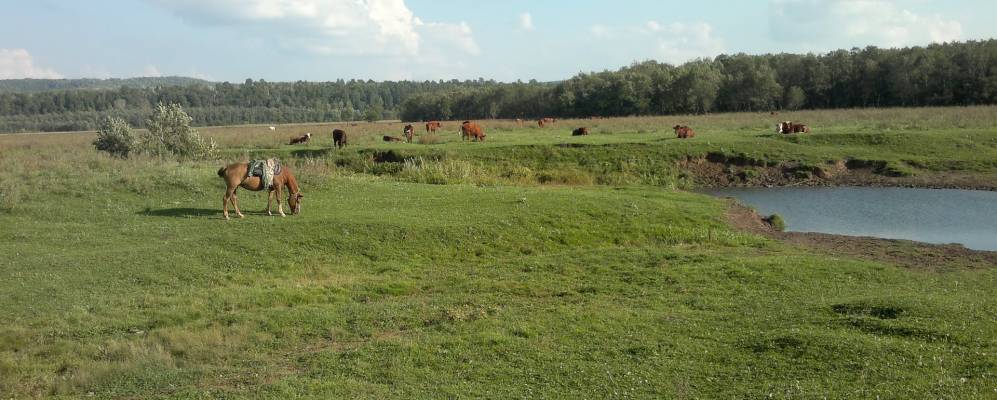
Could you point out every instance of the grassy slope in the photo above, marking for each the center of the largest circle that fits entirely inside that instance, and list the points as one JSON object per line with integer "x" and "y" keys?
{"x": 120, "y": 279}
{"x": 641, "y": 150}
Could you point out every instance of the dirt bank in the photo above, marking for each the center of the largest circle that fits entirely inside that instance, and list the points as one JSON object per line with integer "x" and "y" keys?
{"x": 719, "y": 170}
{"x": 903, "y": 253}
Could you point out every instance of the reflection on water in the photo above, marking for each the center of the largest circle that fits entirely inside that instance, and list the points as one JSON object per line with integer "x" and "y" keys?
{"x": 968, "y": 217}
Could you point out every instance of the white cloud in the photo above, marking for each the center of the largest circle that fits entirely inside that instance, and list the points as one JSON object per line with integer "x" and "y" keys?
{"x": 18, "y": 63}
{"x": 329, "y": 27}
{"x": 600, "y": 31}
{"x": 847, "y": 23}
{"x": 526, "y": 21}
{"x": 151, "y": 71}
{"x": 679, "y": 42}
{"x": 675, "y": 42}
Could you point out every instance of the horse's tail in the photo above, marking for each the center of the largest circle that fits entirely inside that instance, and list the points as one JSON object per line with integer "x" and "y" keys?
{"x": 221, "y": 172}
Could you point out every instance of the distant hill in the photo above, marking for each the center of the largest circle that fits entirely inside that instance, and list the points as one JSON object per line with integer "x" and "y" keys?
{"x": 42, "y": 85}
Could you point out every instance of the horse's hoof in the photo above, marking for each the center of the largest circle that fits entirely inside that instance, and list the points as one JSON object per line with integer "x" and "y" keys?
{"x": 282, "y": 215}
{"x": 242, "y": 216}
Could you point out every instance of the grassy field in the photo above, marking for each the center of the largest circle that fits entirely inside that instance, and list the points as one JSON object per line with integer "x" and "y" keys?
{"x": 535, "y": 266}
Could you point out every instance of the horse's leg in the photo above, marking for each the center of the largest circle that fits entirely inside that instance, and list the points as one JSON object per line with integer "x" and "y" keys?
{"x": 225, "y": 203}
{"x": 280, "y": 207}
{"x": 269, "y": 201}
{"x": 235, "y": 203}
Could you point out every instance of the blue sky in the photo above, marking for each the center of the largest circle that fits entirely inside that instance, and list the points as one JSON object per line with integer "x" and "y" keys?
{"x": 287, "y": 40}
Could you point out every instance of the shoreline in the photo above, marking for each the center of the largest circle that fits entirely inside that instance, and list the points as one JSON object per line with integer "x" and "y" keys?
{"x": 902, "y": 253}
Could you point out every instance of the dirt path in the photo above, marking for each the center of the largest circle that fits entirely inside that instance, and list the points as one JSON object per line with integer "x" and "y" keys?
{"x": 903, "y": 253}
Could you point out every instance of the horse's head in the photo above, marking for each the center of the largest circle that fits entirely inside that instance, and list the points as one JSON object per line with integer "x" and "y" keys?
{"x": 294, "y": 201}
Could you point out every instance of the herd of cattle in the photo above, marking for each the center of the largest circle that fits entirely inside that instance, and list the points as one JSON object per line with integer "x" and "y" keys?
{"x": 473, "y": 131}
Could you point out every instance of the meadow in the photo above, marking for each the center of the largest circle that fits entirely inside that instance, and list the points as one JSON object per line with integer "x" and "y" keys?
{"x": 532, "y": 265}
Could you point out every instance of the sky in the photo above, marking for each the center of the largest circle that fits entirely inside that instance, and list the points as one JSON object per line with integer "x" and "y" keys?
{"x": 505, "y": 40}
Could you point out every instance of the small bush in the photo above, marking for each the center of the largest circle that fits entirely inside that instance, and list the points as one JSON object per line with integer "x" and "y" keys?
{"x": 115, "y": 137}
{"x": 419, "y": 170}
{"x": 776, "y": 222}
{"x": 169, "y": 135}
{"x": 430, "y": 138}
{"x": 10, "y": 195}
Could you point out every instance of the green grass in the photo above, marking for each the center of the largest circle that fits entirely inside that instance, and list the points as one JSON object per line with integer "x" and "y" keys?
{"x": 121, "y": 279}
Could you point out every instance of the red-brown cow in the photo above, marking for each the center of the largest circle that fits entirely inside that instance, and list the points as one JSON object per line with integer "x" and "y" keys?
{"x": 433, "y": 126}
{"x": 472, "y": 130}
{"x": 684, "y": 132}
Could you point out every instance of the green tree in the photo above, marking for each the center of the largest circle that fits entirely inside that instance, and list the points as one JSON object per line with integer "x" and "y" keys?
{"x": 795, "y": 99}
{"x": 168, "y": 134}
{"x": 115, "y": 137}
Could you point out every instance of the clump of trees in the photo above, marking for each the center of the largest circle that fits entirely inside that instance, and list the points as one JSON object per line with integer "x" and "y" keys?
{"x": 168, "y": 134}
{"x": 937, "y": 75}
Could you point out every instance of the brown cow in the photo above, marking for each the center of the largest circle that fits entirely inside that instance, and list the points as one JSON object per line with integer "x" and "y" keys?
{"x": 303, "y": 139}
{"x": 393, "y": 139}
{"x": 540, "y": 123}
{"x": 433, "y": 126}
{"x": 684, "y": 132}
{"x": 409, "y": 133}
{"x": 787, "y": 127}
{"x": 339, "y": 138}
{"x": 580, "y": 132}
{"x": 472, "y": 130}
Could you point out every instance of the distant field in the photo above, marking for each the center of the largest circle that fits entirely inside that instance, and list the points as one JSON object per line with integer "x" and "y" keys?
{"x": 533, "y": 265}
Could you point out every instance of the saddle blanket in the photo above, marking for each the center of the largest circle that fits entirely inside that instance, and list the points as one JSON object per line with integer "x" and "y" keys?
{"x": 265, "y": 169}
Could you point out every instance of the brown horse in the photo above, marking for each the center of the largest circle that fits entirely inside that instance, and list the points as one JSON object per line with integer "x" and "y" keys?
{"x": 235, "y": 176}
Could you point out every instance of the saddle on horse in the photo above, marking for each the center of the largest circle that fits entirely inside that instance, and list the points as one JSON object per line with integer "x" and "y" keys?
{"x": 265, "y": 169}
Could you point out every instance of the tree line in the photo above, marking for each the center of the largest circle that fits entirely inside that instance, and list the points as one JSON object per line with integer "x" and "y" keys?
{"x": 962, "y": 73}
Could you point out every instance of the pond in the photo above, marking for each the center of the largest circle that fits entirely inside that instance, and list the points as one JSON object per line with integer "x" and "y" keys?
{"x": 967, "y": 217}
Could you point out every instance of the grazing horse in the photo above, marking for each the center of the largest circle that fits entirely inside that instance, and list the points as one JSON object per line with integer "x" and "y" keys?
{"x": 472, "y": 130}
{"x": 303, "y": 139}
{"x": 684, "y": 132}
{"x": 540, "y": 123}
{"x": 409, "y": 133}
{"x": 339, "y": 138}
{"x": 433, "y": 126}
{"x": 237, "y": 175}
{"x": 580, "y": 132}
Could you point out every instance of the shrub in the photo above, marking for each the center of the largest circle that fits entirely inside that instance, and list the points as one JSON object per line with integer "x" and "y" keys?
{"x": 10, "y": 195}
{"x": 430, "y": 138}
{"x": 776, "y": 222}
{"x": 169, "y": 134}
{"x": 115, "y": 137}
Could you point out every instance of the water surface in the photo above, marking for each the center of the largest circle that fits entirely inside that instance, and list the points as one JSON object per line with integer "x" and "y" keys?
{"x": 967, "y": 217}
